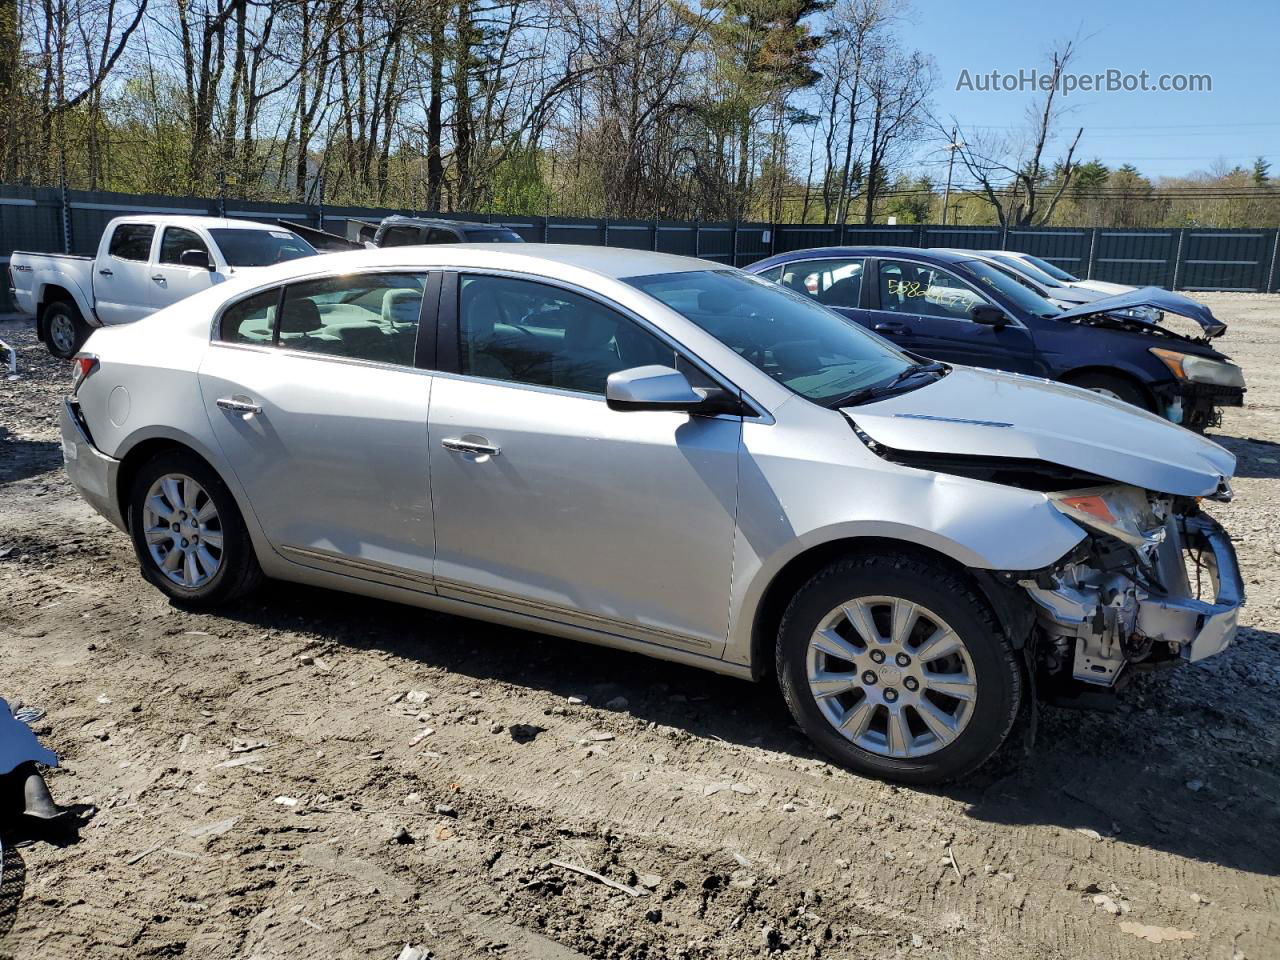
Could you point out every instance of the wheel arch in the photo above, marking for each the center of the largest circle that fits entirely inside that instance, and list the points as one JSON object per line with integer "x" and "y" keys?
{"x": 1134, "y": 378}
{"x": 1010, "y": 604}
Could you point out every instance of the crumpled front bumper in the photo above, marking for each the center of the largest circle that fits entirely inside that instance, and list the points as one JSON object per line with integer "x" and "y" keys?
{"x": 92, "y": 471}
{"x": 1201, "y": 629}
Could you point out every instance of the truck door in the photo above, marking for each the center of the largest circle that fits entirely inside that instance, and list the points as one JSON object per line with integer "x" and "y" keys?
{"x": 172, "y": 279}
{"x": 121, "y": 279}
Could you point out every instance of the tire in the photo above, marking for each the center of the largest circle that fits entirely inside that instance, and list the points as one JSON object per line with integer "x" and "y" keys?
{"x": 64, "y": 329}
{"x": 985, "y": 669}
{"x": 177, "y": 488}
{"x": 1110, "y": 385}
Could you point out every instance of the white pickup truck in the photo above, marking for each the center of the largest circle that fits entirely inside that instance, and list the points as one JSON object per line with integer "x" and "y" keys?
{"x": 144, "y": 263}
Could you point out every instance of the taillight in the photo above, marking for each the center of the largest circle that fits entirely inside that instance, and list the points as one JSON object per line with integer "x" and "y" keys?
{"x": 82, "y": 365}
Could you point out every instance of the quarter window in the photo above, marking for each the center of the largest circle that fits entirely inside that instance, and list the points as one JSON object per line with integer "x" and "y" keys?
{"x": 365, "y": 317}
{"x": 251, "y": 320}
{"x": 178, "y": 240}
{"x": 132, "y": 241}
{"x": 923, "y": 290}
{"x": 402, "y": 237}
{"x": 528, "y": 332}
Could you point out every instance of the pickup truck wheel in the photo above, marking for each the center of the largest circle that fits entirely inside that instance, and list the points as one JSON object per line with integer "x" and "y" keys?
{"x": 64, "y": 329}
{"x": 188, "y": 534}
{"x": 1115, "y": 387}
{"x": 896, "y": 668}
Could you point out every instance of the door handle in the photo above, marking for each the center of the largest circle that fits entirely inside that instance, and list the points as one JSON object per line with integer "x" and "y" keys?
{"x": 236, "y": 405}
{"x": 107, "y": 273}
{"x": 462, "y": 445}
{"x": 892, "y": 328}
{"x": 159, "y": 277}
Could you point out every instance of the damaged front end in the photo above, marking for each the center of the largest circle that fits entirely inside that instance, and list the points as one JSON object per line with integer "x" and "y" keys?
{"x": 1155, "y": 583}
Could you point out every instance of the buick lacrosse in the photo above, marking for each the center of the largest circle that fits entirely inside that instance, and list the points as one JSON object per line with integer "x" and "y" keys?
{"x": 667, "y": 456}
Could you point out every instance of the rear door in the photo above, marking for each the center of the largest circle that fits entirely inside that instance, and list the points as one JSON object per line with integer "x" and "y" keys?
{"x": 925, "y": 309}
{"x": 171, "y": 280}
{"x": 122, "y": 284}
{"x": 322, "y": 415}
{"x": 835, "y": 282}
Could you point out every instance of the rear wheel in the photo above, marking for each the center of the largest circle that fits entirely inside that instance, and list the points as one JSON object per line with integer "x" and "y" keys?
{"x": 64, "y": 329}
{"x": 896, "y": 668}
{"x": 1110, "y": 385}
{"x": 188, "y": 534}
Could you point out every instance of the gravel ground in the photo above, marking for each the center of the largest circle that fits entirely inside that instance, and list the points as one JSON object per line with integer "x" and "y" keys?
{"x": 319, "y": 775}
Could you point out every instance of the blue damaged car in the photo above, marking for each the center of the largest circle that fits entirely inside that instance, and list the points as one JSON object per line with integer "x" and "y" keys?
{"x": 958, "y": 308}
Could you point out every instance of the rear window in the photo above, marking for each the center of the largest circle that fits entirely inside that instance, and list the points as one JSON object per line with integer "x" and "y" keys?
{"x": 259, "y": 248}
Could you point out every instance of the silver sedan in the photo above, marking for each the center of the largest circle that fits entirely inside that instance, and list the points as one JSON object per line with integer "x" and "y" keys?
{"x": 667, "y": 456}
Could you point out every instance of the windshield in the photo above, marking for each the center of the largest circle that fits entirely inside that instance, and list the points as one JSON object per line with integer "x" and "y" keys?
{"x": 260, "y": 248}
{"x": 493, "y": 236}
{"x": 801, "y": 344}
{"x": 1026, "y": 269}
{"x": 1056, "y": 272}
{"x": 990, "y": 275}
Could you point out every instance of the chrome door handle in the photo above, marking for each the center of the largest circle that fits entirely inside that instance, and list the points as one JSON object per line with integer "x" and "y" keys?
{"x": 470, "y": 446}
{"x": 107, "y": 273}
{"x": 238, "y": 406}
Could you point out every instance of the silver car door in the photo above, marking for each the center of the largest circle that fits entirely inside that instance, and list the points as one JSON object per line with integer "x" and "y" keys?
{"x": 549, "y": 503}
{"x": 323, "y": 417}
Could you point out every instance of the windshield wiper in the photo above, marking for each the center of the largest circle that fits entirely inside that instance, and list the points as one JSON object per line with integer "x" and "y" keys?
{"x": 901, "y": 383}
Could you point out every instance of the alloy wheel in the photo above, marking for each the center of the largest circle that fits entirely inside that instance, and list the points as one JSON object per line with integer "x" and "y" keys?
{"x": 62, "y": 331}
{"x": 891, "y": 676}
{"x": 183, "y": 531}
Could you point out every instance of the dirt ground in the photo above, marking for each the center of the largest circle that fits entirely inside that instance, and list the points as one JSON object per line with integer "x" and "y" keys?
{"x": 317, "y": 775}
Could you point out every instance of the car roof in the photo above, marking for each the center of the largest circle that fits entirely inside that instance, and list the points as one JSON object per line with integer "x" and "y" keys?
{"x": 397, "y": 219}
{"x": 208, "y": 223}
{"x": 546, "y": 259}
{"x": 814, "y": 253}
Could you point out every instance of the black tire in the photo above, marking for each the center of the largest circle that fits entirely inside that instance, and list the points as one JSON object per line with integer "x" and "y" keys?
{"x": 1113, "y": 385}
{"x": 64, "y": 329}
{"x": 238, "y": 572}
{"x": 996, "y": 673}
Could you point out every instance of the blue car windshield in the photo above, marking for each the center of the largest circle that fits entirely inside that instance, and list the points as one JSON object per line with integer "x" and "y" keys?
{"x": 1027, "y": 299}
{"x": 800, "y": 343}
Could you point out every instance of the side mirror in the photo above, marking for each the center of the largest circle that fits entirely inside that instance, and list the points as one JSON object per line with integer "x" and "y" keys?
{"x": 988, "y": 315}
{"x": 195, "y": 258}
{"x": 650, "y": 388}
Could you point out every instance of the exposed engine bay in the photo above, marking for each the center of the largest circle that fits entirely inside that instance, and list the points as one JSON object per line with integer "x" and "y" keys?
{"x": 1157, "y": 581}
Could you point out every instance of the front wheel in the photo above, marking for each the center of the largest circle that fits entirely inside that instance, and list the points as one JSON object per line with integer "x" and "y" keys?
{"x": 895, "y": 667}
{"x": 188, "y": 534}
{"x": 1115, "y": 387}
{"x": 64, "y": 329}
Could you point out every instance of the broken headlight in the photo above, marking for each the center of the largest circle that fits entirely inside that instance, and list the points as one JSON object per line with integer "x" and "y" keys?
{"x": 1197, "y": 369}
{"x": 1124, "y": 512}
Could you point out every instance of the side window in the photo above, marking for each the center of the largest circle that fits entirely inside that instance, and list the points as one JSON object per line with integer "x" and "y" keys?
{"x": 529, "y": 332}
{"x": 773, "y": 274}
{"x": 437, "y": 235}
{"x": 177, "y": 240}
{"x": 920, "y": 289}
{"x": 836, "y": 283}
{"x": 402, "y": 237}
{"x": 371, "y": 316}
{"x": 132, "y": 241}
{"x": 251, "y": 320}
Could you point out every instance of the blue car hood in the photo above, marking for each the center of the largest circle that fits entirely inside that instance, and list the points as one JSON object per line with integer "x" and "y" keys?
{"x": 1151, "y": 297}
{"x": 993, "y": 414}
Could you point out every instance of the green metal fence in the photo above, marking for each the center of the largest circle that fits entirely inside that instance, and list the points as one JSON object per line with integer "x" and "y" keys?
{"x": 51, "y": 220}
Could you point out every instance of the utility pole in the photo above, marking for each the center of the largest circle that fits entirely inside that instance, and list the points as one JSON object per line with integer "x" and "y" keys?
{"x": 952, "y": 147}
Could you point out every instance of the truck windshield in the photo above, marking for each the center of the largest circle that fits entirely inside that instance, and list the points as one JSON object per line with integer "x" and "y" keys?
{"x": 259, "y": 248}
{"x": 797, "y": 341}
{"x": 989, "y": 275}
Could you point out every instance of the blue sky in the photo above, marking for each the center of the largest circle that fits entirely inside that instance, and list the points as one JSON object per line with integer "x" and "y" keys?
{"x": 1163, "y": 134}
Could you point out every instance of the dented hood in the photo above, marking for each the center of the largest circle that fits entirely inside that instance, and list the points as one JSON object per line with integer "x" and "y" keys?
{"x": 1151, "y": 297}
{"x": 986, "y": 413}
